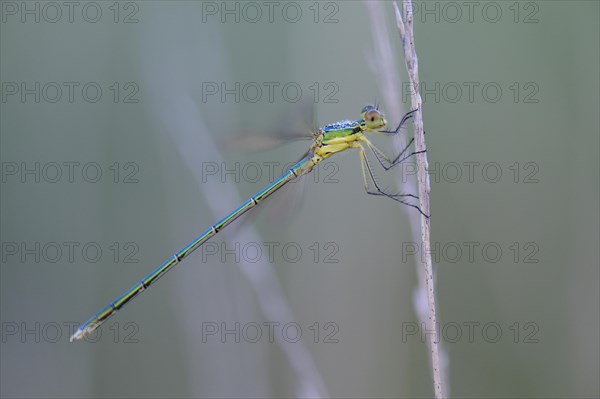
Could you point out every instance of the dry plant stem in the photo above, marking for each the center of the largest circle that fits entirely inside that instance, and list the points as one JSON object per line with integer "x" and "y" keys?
{"x": 405, "y": 27}
{"x": 384, "y": 67}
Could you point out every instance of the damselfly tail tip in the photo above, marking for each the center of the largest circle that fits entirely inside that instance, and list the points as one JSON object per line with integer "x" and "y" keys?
{"x": 78, "y": 335}
{"x": 83, "y": 332}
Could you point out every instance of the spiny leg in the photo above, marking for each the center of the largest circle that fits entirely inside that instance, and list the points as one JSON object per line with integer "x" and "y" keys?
{"x": 384, "y": 161}
{"x": 406, "y": 117}
{"x": 366, "y": 171}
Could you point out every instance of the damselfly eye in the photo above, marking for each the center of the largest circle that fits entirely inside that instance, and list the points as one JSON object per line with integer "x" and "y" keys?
{"x": 374, "y": 119}
{"x": 368, "y": 108}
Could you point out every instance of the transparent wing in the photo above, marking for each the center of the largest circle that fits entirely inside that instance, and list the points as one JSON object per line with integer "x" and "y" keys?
{"x": 296, "y": 124}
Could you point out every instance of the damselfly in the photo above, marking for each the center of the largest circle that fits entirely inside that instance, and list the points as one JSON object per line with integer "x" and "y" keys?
{"x": 328, "y": 140}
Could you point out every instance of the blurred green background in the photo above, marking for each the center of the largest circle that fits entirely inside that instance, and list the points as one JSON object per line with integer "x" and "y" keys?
{"x": 522, "y": 322}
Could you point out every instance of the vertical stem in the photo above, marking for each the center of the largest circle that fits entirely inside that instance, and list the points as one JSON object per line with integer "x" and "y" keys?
{"x": 405, "y": 27}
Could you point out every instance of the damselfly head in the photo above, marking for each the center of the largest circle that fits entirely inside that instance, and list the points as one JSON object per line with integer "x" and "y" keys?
{"x": 373, "y": 117}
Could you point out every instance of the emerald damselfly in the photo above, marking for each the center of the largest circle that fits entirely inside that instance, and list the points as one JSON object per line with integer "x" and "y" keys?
{"x": 328, "y": 140}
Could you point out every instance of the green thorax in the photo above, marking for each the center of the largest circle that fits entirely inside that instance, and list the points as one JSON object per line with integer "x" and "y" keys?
{"x": 341, "y": 129}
